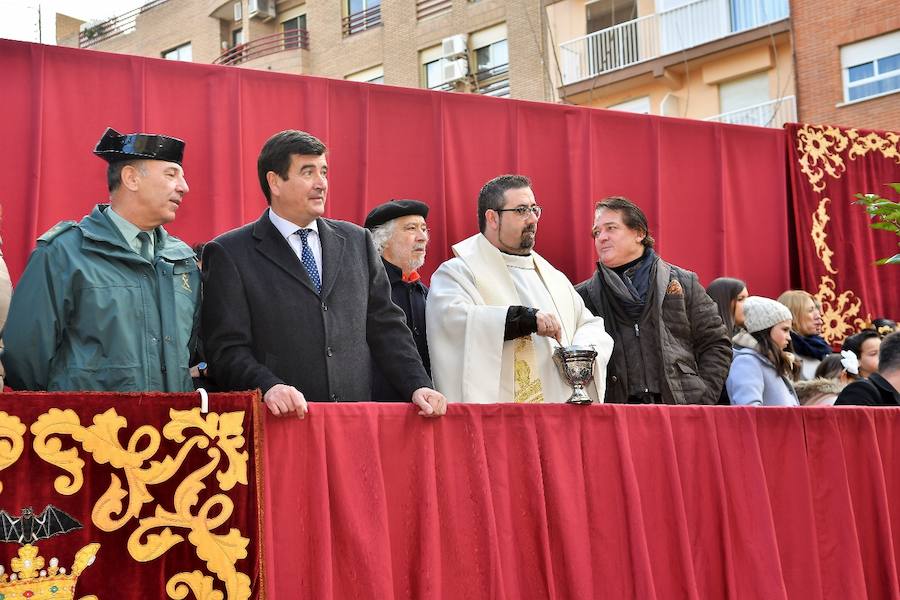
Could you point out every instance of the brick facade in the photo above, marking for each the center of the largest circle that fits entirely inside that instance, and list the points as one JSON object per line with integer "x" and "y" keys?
{"x": 395, "y": 44}
{"x": 820, "y": 29}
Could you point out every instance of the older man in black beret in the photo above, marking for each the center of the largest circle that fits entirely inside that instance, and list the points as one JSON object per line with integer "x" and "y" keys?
{"x": 111, "y": 302}
{"x": 401, "y": 237}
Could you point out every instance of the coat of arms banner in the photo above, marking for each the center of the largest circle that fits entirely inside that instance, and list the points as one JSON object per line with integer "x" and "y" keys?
{"x": 135, "y": 495}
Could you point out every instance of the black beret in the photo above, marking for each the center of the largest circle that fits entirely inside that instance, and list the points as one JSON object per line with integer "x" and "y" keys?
{"x": 395, "y": 208}
{"x": 115, "y": 147}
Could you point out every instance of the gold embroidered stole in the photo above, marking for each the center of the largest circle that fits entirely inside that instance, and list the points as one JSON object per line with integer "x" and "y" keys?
{"x": 528, "y": 388}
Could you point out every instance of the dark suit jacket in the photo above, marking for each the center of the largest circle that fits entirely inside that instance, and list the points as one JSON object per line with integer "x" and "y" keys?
{"x": 877, "y": 391}
{"x": 410, "y": 297}
{"x": 263, "y": 323}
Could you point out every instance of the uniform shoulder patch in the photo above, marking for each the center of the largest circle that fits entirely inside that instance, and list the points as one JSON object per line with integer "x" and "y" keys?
{"x": 57, "y": 229}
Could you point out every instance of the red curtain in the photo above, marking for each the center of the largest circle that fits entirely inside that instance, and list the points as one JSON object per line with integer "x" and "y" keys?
{"x": 124, "y": 453}
{"x": 557, "y": 501}
{"x": 837, "y": 249}
{"x": 712, "y": 192}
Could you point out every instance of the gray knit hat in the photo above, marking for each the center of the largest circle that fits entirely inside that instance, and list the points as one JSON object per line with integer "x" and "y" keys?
{"x": 761, "y": 313}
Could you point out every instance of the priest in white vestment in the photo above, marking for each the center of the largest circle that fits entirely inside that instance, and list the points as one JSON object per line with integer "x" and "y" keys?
{"x": 497, "y": 311}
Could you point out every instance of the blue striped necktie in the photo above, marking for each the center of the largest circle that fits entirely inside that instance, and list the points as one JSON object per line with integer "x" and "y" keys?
{"x": 309, "y": 261}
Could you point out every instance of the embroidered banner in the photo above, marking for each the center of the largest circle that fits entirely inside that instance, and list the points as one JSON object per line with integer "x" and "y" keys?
{"x": 167, "y": 497}
{"x": 836, "y": 247}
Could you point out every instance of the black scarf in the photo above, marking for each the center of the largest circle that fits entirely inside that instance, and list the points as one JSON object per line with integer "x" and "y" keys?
{"x": 813, "y": 346}
{"x": 630, "y": 283}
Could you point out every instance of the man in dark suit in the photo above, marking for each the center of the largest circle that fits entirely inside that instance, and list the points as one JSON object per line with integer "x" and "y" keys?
{"x": 298, "y": 305}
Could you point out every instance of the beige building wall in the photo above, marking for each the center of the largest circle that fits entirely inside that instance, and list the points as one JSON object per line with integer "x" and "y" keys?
{"x": 689, "y": 88}
{"x": 692, "y": 90}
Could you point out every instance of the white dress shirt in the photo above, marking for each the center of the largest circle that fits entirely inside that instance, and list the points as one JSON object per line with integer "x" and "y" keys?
{"x": 289, "y": 231}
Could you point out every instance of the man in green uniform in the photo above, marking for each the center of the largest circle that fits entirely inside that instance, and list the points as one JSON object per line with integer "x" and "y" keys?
{"x": 112, "y": 302}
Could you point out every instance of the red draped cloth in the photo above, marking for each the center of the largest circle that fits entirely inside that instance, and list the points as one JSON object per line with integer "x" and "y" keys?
{"x": 836, "y": 247}
{"x": 715, "y": 194}
{"x": 556, "y": 501}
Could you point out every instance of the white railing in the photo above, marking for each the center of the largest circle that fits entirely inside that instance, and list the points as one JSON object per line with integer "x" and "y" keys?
{"x": 663, "y": 33}
{"x": 774, "y": 113}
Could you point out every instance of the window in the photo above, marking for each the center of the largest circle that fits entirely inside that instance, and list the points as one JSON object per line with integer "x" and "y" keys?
{"x": 432, "y": 62}
{"x": 361, "y": 15}
{"x": 744, "y": 92}
{"x": 491, "y": 61}
{"x": 182, "y": 52}
{"x": 371, "y": 75}
{"x": 294, "y": 30}
{"x": 871, "y": 68}
{"x": 603, "y": 14}
{"x": 237, "y": 37}
{"x": 635, "y": 105}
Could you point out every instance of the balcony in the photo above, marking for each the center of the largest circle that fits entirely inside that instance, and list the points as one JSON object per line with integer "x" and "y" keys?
{"x": 774, "y": 113}
{"x": 655, "y": 35}
{"x": 285, "y": 41}
{"x": 118, "y": 25}
{"x": 362, "y": 20}
{"x": 432, "y": 8}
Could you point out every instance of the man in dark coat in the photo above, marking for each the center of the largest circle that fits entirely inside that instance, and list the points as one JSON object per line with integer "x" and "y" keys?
{"x": 401, "y": 237}
{"x": 298, "y": 305}
{"x": 670, "y": 343}
{"x": 881, "y": 388}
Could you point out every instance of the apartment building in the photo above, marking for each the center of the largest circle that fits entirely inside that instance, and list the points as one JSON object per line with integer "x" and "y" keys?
{"x": 722, "y": 60}
{"x": 848, "y": 62}
{"x": 753, "y": 62}
{"x": 492, "y": 47}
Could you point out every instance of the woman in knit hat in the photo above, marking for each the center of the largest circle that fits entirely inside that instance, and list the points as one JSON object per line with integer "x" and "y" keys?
{"x": 759, "y": 376}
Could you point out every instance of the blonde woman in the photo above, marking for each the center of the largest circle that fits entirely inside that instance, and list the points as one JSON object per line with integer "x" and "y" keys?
{"x": 806, "y": 331}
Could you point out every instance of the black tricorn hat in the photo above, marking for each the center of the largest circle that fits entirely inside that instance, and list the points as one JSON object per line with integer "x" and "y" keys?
{"x": 383, "y": 213}
{"x": 115, "y": 147}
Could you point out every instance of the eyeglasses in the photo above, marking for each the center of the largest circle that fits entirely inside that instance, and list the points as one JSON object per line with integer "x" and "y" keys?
{"x": 523, "y": 211}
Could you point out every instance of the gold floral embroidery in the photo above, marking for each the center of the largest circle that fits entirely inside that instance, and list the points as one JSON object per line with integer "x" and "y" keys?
{"x": 872, "y": 142}
{"x": 840, "y": 312}
{"x": 820, "y": 218}
{"x": 819, "y": 151}
{"x": 219, "y": 436}
{"x": 12, "y": 440}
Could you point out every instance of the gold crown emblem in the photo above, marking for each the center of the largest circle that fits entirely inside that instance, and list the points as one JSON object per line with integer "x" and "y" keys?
{"x": 30, "y": 581}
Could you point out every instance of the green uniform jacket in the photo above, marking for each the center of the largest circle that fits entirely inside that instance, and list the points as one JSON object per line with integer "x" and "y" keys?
{"x": 91, "y": 314}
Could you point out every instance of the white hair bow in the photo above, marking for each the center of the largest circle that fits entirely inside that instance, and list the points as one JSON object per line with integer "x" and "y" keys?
{"x": 849, "y": 361}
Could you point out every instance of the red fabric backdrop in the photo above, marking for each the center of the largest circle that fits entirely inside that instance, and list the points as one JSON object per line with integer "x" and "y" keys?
{"x": 715, "y": 194}
{"x": 605, "y": 501}
{"x": 31, "y": 481}
{"x": 837, "y": 249}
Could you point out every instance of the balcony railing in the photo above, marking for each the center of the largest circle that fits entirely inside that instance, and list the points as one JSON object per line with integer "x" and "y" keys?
{"x": 364, "y": 19}
{"x": 774, "y": 113}
{"x": 432, "y": 8}
{"x": 124, "y": 23}
{"x": 655, "y": 35}
{"x": 290, "y": 39}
